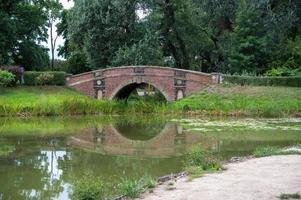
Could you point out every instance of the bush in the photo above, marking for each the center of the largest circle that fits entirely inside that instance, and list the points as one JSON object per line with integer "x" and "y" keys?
{"x": 35, "y": 78}
{"x": 6, "y": 78}
{"x": 282, "y": 71}
{"x": 263, "y": 81}
{"x": 44, "y": 79}
{"x": 88, "y": 188}
{"x": 15, "y": 70}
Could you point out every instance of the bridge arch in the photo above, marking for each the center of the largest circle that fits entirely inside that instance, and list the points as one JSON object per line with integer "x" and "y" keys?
{"x": 125, "y": 89}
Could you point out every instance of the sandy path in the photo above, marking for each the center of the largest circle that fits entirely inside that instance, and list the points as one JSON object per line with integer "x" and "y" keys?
{"x": 261, "y": 178}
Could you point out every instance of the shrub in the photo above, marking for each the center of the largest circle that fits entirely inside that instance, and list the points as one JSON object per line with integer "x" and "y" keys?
{"x": 15, "y": 70}
{"x": 282, "y": 71}
{"x": 31, "y": 78}
{"x": 6, "y": 78}
{"x": 44, "y": 79}
{"x": 88, "y": 188}
{"x": 263, "y": 81}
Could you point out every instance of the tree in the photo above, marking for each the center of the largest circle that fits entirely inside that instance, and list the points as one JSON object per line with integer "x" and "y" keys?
{"x": 249, "y": 40}
{"x": 23, "y": 28}
{"x": 211, "y": 36}
{"x": 100, "y": 27}
{"x": 54, "y": 8}
{"x": 147, "y": 51}
{"x": 62, "y": 29}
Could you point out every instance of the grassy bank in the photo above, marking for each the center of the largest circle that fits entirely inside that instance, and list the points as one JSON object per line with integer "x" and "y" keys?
{"x": 215, "y": 101}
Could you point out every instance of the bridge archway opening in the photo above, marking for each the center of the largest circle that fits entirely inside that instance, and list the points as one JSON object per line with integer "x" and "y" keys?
{"x": 140, "y": 91}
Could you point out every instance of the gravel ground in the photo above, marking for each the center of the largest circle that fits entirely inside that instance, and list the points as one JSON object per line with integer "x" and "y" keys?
{"x": 260, "y": 178}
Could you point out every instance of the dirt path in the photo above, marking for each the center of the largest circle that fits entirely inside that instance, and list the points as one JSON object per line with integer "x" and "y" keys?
{"x": 261, "y": 178}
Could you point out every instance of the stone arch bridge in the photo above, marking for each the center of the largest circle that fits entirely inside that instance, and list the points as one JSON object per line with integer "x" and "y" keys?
{"x": 119, "y": 82}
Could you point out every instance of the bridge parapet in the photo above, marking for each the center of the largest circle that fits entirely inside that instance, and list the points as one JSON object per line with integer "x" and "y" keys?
{"x": 110, "y": 83}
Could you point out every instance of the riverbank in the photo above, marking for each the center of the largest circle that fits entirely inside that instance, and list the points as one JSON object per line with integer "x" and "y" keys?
{"x": 260, "y": 178}
{"x": 214, "y": 101}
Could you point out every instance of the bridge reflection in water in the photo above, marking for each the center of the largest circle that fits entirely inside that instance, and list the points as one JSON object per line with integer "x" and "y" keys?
{"x": 136, "y": 140}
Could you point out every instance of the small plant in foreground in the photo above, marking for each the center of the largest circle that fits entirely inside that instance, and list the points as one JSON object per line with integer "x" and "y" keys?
{"x": 198, "y": 161}
{"x": 198, "y": 157}
{"x": 130, "y": 187}
{"x": 290, "y": 196}
{"x": 88, "y": 188}
{"x": 149, "y": 182}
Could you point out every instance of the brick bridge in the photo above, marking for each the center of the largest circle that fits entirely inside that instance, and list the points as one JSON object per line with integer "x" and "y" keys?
{"x": 119, "y": 82}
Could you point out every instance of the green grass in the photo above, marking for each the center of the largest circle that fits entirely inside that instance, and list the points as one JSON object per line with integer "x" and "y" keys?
{"x": 290, "y": 196}
{"x": 271, "y": 151}
{"x": 246, "y": 100}
{"x": 214, "y": 101}
{"x": 266, "y": 151}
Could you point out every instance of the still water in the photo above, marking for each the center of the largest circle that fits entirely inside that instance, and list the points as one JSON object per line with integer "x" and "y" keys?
{"x": 41, "y": 158}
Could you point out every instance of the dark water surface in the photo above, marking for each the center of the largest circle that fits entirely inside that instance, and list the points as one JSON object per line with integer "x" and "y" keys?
{"x": 41, "y": 158}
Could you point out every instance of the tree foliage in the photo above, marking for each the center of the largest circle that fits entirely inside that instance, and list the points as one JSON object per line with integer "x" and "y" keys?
{"x": 23, "y": 28}
{"x": 229, "y": 36}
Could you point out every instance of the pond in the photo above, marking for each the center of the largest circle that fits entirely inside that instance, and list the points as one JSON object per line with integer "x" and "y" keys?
{"x": 41, "y": 157}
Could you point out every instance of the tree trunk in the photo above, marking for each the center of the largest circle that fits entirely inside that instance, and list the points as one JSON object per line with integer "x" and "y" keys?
{"x": 52, "y": 46}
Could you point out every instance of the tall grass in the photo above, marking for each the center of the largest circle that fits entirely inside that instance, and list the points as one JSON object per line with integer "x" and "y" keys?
{"x": 130, "y": 187}
{"x": 134, "y": 187}
{"x": 248, "y": 101}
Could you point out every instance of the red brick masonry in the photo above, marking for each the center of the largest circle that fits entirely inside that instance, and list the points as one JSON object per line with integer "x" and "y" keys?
{"x": 171, "y": 82}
